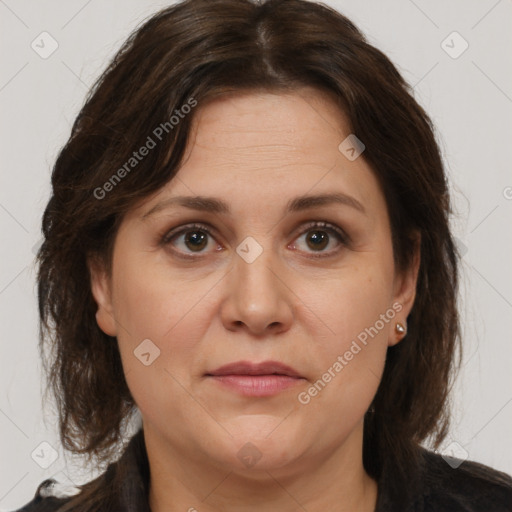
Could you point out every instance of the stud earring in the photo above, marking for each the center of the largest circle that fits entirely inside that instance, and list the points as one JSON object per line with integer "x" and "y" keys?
{"x": 400, "y": 329}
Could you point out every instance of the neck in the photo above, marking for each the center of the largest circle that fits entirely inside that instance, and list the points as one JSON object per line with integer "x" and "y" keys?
{"x": 335, "y": 481}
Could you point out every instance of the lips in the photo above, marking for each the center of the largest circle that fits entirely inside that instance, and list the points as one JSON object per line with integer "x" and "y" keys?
{"x": 255, "y": 369}
{"x": 256, "y": 380}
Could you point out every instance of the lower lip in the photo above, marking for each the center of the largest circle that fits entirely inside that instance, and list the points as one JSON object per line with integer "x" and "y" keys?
{"x": 257, "y": 385}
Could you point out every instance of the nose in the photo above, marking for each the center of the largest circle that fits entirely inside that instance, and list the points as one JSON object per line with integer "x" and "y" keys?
{"x": 258, "y": 299}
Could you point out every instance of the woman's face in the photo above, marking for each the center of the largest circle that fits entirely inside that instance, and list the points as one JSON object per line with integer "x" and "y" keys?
{"x": 266, "y": 275}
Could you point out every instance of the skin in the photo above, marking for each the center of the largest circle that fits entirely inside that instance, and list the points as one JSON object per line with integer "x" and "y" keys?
{"x": 256, "y": 151}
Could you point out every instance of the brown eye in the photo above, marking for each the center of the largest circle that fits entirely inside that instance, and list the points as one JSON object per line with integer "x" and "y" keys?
{"x": 317, "y": 239}
{"x": 189, "y": 239}
{"x": 320, "y": 235}
{"x": 196, "y": 240}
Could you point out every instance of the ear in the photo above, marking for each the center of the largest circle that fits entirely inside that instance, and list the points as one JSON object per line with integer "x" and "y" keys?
{"x": 102, "y": 292}
{"x": 405, "y": 291}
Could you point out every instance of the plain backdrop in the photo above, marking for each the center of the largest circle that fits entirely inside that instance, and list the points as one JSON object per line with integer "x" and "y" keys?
{"x": 467, "y": 93}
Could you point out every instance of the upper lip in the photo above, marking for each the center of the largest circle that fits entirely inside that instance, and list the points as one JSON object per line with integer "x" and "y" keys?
{"x": 248, "y": 368}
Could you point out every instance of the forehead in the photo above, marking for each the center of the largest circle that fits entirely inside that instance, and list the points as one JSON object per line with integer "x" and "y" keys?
{"x": 266, "y": 148}
{"x": 288, "y": 124}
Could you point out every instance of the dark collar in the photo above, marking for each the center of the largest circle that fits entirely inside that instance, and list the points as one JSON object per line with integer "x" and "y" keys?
{"x": 432, "y": 484}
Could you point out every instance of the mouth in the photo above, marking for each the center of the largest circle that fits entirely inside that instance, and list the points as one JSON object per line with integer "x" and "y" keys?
{"x": 250, "y": 379}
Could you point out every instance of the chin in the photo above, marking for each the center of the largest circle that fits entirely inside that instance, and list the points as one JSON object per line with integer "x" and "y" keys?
{"x": 261, "y": 443}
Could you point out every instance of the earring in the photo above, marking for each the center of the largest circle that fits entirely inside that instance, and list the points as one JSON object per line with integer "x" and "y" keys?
{"x": 400, "y": 329}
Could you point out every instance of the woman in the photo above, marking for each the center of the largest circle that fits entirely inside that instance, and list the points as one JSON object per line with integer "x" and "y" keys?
{"x": 248, "y": 243}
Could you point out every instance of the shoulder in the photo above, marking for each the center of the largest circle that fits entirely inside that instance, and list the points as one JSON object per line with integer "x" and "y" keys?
{"x": 43, "y": 501}
{"x": 121, "y": 487}
{"x": 463, "y": 486}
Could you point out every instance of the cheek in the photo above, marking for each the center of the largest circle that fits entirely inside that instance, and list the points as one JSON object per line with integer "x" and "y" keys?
{"x": 153, "y": 302}
{"x": 348, "y": 364}
{"x": 352, "y": 302}
{"x": 355, "y": 317}
{"x": 161, "y": 322}
{"x": 156, "y": 341}
{"x": 356, "y": 335}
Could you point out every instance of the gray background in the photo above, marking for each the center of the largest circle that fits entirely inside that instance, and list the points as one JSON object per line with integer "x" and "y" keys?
{"x": 468, "y": 97}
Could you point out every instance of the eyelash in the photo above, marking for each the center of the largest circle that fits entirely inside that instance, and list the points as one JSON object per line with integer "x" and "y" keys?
{"x": 342, "y": 237}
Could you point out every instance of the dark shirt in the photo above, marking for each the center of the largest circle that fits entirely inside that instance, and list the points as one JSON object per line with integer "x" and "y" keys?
{"x": 434, "y": 486}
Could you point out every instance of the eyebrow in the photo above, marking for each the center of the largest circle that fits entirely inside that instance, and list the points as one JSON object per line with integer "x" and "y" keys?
{"x": 214, "y": 205}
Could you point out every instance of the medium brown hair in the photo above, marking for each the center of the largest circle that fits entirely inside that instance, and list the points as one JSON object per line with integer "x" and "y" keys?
{"x": 199, "y": 49}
